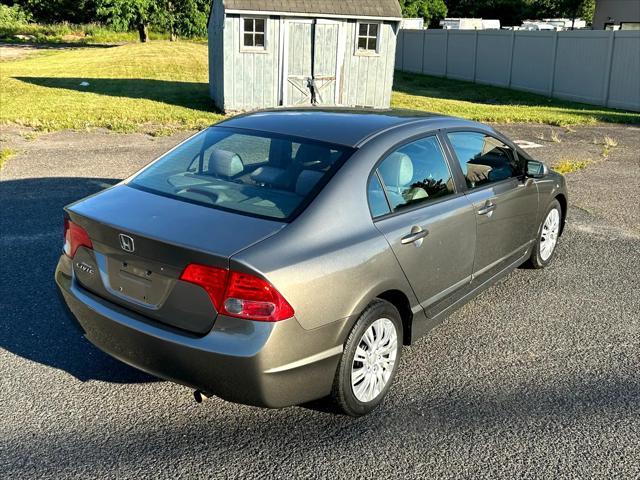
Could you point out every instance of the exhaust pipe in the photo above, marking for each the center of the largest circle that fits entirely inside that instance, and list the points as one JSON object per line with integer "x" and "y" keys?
{"x": 200, "y": 396}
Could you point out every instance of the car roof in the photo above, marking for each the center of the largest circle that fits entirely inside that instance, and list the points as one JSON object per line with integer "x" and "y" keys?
{"x": 339, "y": 126}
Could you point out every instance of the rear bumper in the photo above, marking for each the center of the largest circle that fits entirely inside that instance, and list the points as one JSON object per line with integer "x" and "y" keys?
{"x": 256, "y": 363}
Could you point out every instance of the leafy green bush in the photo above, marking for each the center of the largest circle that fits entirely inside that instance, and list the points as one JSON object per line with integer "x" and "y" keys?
{"x": 185, "y": 18}
{"x": 69, "y": 33}
{"x": 13, "y": 16}
{"x": 119, "y": 20}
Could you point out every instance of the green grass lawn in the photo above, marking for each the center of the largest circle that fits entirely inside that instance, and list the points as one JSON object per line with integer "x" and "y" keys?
{"x": 162, "y": 86}
{"x": 493, "y": 104}
{"x": 154, "y": 87}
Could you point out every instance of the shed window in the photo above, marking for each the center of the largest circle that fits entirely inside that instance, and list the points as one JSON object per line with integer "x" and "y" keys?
{"x": 253, "y": 33}
{"x": 368, "y": 36}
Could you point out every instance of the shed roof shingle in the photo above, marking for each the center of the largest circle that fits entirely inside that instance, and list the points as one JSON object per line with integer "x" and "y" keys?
{"x": 349, "y": 8}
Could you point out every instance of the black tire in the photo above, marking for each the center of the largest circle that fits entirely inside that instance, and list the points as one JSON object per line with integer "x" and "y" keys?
{"x": 535, "y": 260}
{"x": 342, "y": 393}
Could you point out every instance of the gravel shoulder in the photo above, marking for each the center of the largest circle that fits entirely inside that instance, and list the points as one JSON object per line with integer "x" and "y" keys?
{"x": 19, "y": 51}
{"x": 536, "y": 378}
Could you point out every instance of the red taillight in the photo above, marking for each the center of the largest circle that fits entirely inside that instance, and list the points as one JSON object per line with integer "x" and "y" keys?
{"x": 74, "y": 236}
{"x": 238, "y": 294}
{"x": 251, "y": 297}
{"x": 213, "y": 280}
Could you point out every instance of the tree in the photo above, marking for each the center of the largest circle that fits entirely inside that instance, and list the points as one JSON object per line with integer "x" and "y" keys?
{"x": 513, "y": 12}
{"x": 430, "y": 10}
{"x": 187, "y": 18}
{"x": 50, "y": 11}
{"x": 509, "y": 12}
{"x": 123, "y": 15}
{"x": 563, "y": 9}
{"x": 583, "y": 9}
{"x": 178, "y": 17}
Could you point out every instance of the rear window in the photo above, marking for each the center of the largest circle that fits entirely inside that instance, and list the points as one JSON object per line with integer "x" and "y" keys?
{"x": 254, "y": 173}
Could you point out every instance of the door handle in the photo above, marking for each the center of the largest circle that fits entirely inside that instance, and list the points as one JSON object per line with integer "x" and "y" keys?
{"x": 526, "y": 183}
{"x": 487, "y": 209}
{"x": 416, "y": 234}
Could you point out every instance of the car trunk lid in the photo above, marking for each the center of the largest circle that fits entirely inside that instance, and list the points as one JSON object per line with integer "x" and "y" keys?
{"x": 142, "y": 242}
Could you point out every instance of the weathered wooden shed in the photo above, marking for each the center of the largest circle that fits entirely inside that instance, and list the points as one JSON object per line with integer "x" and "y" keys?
{"x": 265, "y": 53}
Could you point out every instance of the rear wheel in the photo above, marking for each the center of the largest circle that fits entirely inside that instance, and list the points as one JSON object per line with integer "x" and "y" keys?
{"x": 547, "y": 240}
{"x": 370, "y": 360}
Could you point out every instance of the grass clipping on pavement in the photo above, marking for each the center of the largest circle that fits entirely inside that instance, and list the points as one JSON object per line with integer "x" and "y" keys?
{"x": 5, "y": 154}
{"x": 160, "y": 86}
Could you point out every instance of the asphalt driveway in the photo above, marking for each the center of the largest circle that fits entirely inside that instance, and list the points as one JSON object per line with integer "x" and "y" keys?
{"x": 536, "y": 378}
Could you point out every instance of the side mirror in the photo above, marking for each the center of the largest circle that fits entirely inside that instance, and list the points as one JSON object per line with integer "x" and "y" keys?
{"x": 536, "y": 169}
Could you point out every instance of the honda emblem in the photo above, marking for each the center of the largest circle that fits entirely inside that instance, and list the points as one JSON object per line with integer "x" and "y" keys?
{"x": 126, "y": 243}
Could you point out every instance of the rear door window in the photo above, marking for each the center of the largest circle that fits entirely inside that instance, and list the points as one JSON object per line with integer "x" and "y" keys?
{"x": 377, "y": 200}
{"x": 254, "y": 173}
{"x": 416, "y": 173}
{"x": 483, "y": 158}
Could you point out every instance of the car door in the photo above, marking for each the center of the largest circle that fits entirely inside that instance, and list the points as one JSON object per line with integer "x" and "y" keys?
{"x": 505, "y": 202}
{"x": 429, "y": 224}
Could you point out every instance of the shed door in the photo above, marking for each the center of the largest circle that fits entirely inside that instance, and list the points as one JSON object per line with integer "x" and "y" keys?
{"x": 325, "y": 61}
{"x": 299, "y": 53}
{"x": 310, "y": 63}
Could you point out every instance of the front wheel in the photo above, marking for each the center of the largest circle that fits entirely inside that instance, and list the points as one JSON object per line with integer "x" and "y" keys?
{"x": 370, "y": 360}
{"x": 545, "y": 246}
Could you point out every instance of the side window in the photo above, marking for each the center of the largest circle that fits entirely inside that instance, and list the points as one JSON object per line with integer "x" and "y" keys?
{"x": 377, "y": 201}
{"x": 416, "y": 173}
{"x": 483, "y": 158}
{"x": 253, "y": 33}
{"x": 368, "y": 37}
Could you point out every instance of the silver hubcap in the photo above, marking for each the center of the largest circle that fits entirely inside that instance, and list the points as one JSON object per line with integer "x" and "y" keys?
{"x": 374, "y": 360}
{"x": 549, "y": 236}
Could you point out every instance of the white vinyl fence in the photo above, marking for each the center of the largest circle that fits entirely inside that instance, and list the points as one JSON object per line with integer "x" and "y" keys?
{"x": 597, "y": 67}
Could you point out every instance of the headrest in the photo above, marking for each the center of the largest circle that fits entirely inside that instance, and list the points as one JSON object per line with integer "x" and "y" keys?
{"x": 397, "y": 170}
{"x": 267, "y": 174}
{"x": 225, "y": 164}
{"x": 500, "y": 173}
{"x": 306, "y": 181}
{"x": 309, "y": 154}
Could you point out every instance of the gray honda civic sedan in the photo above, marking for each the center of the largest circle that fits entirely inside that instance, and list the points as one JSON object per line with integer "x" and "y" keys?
{"x": 286, "y": 256}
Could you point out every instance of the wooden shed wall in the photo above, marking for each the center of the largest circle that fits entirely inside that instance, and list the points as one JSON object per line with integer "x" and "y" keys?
{"x": 243, "y": 80}
{"x": 250, "y": 78}
{"x": 367, "y": 79}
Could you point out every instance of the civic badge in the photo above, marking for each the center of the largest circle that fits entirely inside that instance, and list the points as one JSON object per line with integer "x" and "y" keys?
{"x": 126, "y": 243}
{"x": 85, "y": 267}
